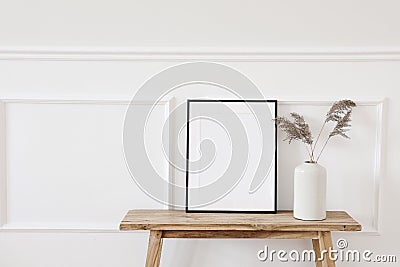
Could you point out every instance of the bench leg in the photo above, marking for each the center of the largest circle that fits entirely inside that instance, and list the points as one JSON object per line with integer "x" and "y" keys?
{"x": 317, "y": 250}
{"x": 325, "y": 241}
{"x": 154, "y": 249}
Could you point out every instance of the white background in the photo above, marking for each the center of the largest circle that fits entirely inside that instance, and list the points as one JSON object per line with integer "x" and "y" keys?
{"x": 64, "y": 184}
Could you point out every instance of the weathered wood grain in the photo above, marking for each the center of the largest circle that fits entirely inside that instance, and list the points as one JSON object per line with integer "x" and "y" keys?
{"x": 282, "y": 221}
{"x": 239, "y": 234}
{"x": 154, "y": 249}
{"x": 325, "y": 240}
{"x": 317, "y": 250}
{"x": 179, "y": 224}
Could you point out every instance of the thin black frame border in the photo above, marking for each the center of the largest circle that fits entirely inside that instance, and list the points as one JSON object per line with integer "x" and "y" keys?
{"x": 187, "y": 157}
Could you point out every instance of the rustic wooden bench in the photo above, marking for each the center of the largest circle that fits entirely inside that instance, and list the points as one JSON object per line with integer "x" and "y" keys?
{"x": 179, "y": 224}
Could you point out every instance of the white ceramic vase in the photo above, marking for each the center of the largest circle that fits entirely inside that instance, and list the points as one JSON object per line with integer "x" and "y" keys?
{"x": 309, "y": 192}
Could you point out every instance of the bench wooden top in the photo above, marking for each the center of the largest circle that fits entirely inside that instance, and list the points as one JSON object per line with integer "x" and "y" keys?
{"x": 282, "y": 221}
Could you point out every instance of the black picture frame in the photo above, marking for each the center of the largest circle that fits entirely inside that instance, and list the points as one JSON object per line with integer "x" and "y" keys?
{"x": 187, "y": 208}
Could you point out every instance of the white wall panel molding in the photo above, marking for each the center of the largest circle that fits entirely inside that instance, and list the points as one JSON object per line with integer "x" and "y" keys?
{"x": 377, "y": 110}
{"x": 355, "y": 54}
{"x": 83, "y": 101}
{"x": 111, "y": 110}
{"x": 3, "y": 172}
{"x": 373, "y": 181}
{"x": 60, "y": 230}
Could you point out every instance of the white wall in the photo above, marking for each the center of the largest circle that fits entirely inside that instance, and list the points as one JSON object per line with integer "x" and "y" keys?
{"x": 284, "y": 24}
{"x": 64, "y": 202}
